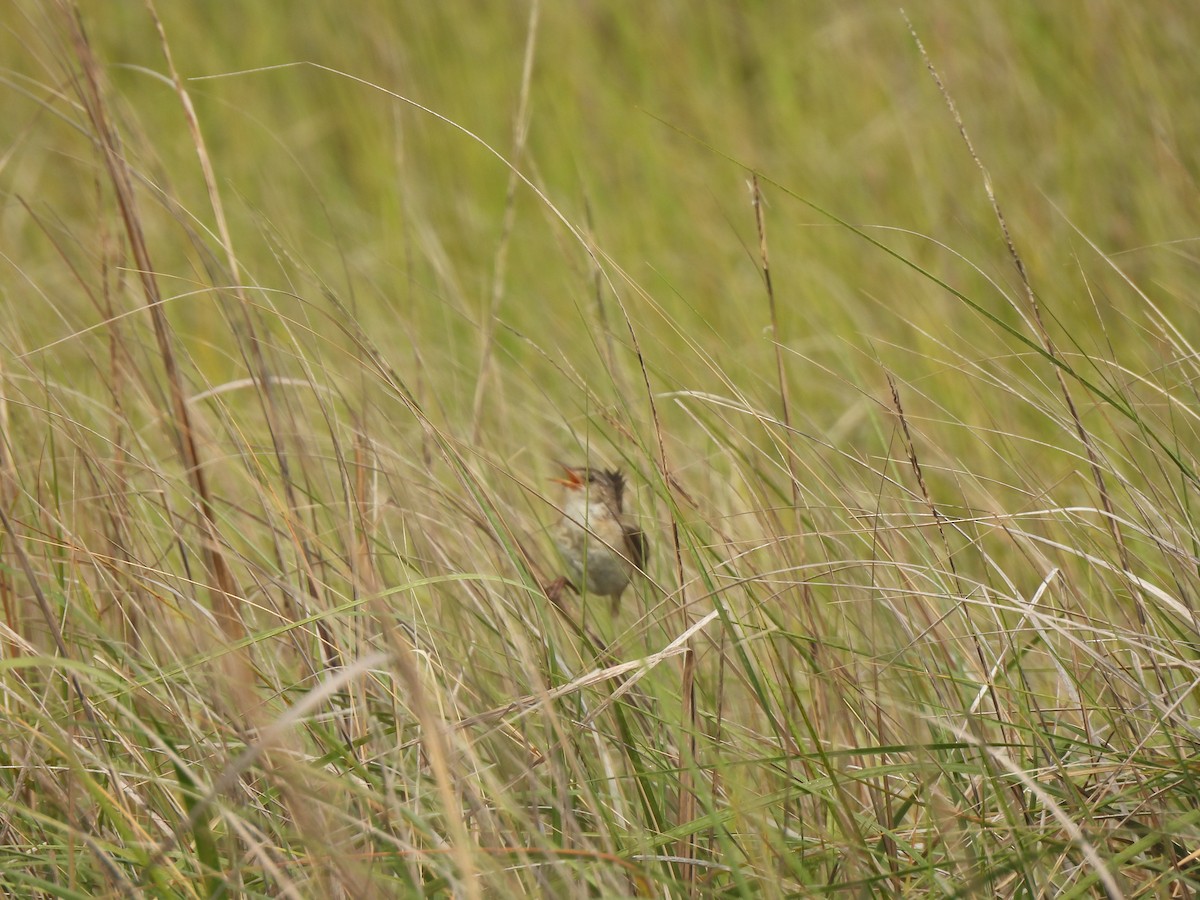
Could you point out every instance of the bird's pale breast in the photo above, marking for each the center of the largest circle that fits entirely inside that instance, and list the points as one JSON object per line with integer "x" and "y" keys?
{"x": 592, "y": 542}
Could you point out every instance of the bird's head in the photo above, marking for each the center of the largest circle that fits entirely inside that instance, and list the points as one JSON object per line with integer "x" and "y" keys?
{"x": 607, "y": 484}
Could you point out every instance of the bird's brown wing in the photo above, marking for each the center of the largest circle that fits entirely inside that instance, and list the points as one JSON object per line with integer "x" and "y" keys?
{"x": 635, "y": 545}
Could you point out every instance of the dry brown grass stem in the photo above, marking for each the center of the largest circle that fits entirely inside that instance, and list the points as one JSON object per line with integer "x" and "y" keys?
{"x": 222, "y": 587}
{"x": 257, "y": 362}
{"x": 1036, "y": 311}
{"x": 520, "y": 131}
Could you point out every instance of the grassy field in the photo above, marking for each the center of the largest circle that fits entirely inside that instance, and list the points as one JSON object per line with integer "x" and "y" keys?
{"x": 891, "y": 322}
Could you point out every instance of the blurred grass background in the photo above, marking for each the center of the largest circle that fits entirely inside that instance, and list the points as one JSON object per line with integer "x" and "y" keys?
{"x": 973, "y": 679}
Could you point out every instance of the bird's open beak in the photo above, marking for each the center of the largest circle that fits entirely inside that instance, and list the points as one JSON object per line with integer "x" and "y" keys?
{"x": 572, "y": 480}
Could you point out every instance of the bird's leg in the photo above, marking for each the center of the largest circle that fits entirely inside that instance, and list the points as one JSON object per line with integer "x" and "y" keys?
{"x": 616, "y": 603}
{"x": 554, "y": 589}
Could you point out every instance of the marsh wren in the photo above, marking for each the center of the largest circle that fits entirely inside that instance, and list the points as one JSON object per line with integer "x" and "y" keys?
{"x": 601, "y": 545}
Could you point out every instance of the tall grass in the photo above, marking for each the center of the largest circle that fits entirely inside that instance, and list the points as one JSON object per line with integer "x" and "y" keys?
{"x": 302, "y": 307}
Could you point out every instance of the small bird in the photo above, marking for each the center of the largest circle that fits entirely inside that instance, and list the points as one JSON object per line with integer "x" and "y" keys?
{"x": 601, "y": 545}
